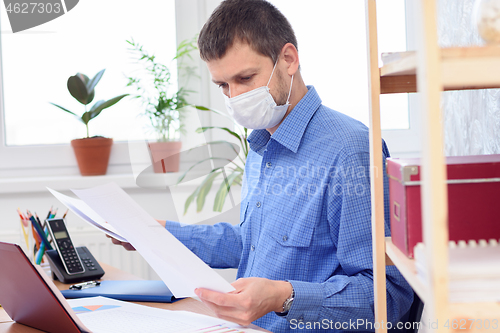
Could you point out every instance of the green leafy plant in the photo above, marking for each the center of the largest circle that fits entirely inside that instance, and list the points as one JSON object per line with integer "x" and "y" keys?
{"x": 165, "y": 109}
{"x": 236, "y": 167}
{"x": 83, "y": 90}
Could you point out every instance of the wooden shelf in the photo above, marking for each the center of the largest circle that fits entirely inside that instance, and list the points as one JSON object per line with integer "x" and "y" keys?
{"x": 439, "y": 69}
{"x": 462, "y": 68}
{"x": 406, "y": 267}
{"x": 460, "y": 313}
{"x": 484, "y": 317}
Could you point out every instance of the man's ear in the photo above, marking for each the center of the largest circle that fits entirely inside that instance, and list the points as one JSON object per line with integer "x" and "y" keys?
{"x": 290, "y": 55}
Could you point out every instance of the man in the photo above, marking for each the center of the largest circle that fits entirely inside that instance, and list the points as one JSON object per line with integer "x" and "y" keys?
{"x": 303, "y": 245}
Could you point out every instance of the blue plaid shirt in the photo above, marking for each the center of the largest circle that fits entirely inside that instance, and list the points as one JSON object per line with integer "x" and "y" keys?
{"x": 305, "y": 217}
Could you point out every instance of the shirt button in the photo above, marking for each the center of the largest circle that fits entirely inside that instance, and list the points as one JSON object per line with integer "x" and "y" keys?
{"x": 285, "y": 238}
{"x": 253, "y": 247}
{"x": 257, "y": 204}
{"x": 268, "y": 164}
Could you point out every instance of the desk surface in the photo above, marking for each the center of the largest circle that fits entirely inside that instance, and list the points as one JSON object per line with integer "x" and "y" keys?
{"x": 112, "y": 273}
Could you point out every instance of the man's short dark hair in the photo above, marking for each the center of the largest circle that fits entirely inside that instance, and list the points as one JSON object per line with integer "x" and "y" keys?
{"x": 256, "y": 22}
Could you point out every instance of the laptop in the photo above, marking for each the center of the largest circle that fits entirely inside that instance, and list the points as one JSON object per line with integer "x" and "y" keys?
{"x": 30, "y": 298}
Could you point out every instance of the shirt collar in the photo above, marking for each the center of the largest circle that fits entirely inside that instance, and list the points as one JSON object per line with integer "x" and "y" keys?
{"x": 289, "y": 134}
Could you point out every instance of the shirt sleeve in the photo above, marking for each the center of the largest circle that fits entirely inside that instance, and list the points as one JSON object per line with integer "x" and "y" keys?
{"x": 349, "y": 294}
{"x": 219, "y": 245}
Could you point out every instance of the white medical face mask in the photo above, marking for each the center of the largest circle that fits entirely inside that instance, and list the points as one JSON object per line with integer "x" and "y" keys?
{"x": 256, "y": 109}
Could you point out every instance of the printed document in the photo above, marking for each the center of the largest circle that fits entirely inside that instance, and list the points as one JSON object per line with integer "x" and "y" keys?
{"x": 105, "y": 315}
{"x": 180, "y": 269}
{"x": 82, "y": 210}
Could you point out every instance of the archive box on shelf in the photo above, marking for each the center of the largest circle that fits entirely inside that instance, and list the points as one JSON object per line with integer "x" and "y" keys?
{"x": 473, "y": 199}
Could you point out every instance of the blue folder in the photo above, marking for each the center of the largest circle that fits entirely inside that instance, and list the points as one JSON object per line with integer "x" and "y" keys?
{"x": 126, "y": 290}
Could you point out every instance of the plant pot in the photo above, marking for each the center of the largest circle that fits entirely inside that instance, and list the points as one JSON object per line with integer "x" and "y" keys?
{"x": 92, "y": 155}
{"x": 165, "y": 156}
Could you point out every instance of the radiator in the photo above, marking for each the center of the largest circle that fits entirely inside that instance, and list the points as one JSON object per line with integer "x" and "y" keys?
{"x": 105, "y": 251}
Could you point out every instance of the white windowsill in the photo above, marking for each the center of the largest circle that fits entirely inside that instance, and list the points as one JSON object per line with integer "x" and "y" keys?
{"x": 62, "y": 183}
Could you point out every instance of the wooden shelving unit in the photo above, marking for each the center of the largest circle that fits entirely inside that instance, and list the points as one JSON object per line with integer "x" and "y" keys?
{"x": 432, "y": 70}
{"x": 406, "y": 267}
{"x": 462, "y": 68}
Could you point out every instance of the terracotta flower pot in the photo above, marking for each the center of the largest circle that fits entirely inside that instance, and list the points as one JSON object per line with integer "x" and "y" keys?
{"x": 165, "y": 156}
{"x": 92, "y": 155}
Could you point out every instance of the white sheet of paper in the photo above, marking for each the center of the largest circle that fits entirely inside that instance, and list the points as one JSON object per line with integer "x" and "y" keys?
{"x": 82, "y": 210}
{"x": 105, "y": 315}
{"x": 180, "y": 269}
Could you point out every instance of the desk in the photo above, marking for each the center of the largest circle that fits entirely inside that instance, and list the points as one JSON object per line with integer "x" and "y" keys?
{"x": 112, "y": 273}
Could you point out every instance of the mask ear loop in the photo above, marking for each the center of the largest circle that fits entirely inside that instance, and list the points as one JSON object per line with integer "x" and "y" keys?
{"x": 272, "y": 72}
{"x": 289, "y": 92}
{"x": 291, "y": 83}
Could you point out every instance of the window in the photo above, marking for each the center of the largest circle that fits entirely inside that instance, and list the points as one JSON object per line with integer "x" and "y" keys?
{"x": 91, "y": 37}
{"x": 333, "y": 55}
{"x": 35, "y": 135}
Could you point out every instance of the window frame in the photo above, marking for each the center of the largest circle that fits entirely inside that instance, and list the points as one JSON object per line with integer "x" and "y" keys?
{"x": 401, "y": 142}
{"x": 407, "y": 142}
{"x": 58, "y": 159}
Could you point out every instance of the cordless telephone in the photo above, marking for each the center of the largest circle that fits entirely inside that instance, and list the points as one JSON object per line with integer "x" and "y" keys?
{"x": 67, "y": 252}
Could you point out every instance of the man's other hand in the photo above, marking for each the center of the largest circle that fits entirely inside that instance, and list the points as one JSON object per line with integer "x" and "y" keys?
{"x": 253, "y": 298}
{"x": 126, "y": 245}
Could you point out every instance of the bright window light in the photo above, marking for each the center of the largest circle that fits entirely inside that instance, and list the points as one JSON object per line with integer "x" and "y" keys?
{"x": 92, "y": 36}
{"x": 332, "y": 47}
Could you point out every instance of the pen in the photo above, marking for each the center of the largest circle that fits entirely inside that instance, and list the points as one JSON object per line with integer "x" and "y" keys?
{"x": 41, "y": 251}
{"x": 65, "y": 213}
{"x": 36, "y": 237}
{"x": 40, "y": 232}
{"x": 85, "y": 285}
{"x": 54, "y": 214}
{"x": 25, "y": 234}
{"x": 50, "y": 213}
{"x": 23, "y": 218}
{"x": 38, "y": 220}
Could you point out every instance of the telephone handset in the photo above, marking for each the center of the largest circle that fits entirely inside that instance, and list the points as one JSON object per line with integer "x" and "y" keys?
{"x": 63, "y": 244}
{"x": 70, "y": 264}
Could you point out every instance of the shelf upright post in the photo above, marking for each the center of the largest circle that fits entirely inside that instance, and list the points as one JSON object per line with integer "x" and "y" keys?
{"x": 376, "y": 170}
{"x": 434, "y": 189}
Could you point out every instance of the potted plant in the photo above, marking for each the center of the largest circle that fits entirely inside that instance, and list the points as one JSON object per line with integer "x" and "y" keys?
{"x": 236, "y": 167}
{"x": 166, "y": 109}
{"x": 92, "y": 153}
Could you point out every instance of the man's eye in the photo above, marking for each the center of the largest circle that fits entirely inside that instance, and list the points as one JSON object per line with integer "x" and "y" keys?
{"x": 246, "y": 78}
{"x": 222, "y": 85}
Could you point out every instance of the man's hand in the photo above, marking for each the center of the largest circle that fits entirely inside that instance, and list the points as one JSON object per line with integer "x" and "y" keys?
{"x": 129, "y": 246}
{"x": 126, "y": 245}
{"x": 252, "y": 299}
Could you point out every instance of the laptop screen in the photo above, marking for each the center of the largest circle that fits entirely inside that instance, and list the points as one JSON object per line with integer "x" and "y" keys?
{"x": 25, "y": 295}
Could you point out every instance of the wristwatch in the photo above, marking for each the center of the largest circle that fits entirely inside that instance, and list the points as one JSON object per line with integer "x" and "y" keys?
{"x": 287, "y": 304}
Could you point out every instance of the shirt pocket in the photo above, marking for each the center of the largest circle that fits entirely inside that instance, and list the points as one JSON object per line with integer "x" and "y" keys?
{"x": 292, "y": 233}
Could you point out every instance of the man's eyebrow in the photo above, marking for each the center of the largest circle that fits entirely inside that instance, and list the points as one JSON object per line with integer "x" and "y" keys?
{"x": 244, "y": 72}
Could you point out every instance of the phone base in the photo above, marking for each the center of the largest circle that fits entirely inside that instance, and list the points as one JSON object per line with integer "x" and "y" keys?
{"x": 59, "y": 273}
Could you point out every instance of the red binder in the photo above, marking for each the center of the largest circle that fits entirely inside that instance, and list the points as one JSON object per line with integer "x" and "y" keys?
{"x": 27, "y": 298}
{"x": 473, "y": 199}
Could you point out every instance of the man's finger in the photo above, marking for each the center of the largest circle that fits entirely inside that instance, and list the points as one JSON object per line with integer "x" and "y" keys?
{"x": 128, "y": 247}
{"x": 228, "y": 313}
{"x": 220, "y": 299}
{"x": 116, "y": 241}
